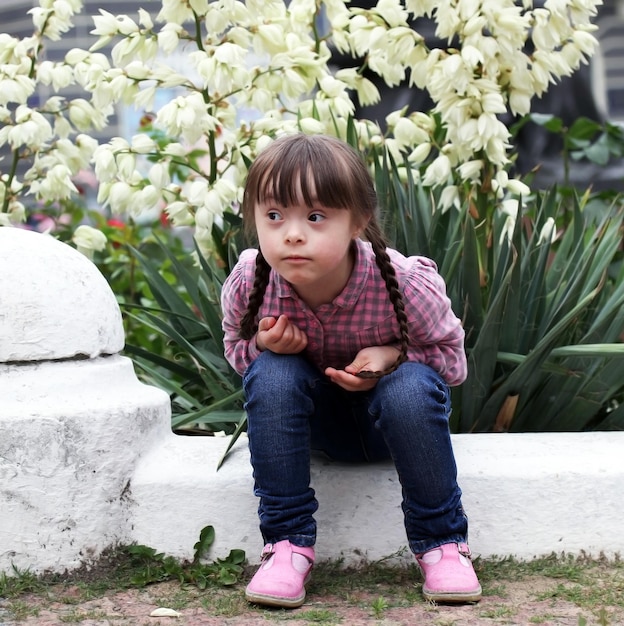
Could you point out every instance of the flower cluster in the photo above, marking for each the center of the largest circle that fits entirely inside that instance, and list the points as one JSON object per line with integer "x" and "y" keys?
{"x": 240, "y": 73}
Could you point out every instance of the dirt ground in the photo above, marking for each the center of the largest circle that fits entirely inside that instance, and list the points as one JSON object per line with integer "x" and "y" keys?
{"x": 536, "y": 599}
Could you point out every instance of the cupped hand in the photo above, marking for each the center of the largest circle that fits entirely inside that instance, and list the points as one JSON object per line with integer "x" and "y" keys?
{"x": 372, "y": 359}
{"x": 279, "y": 335}
{"x": 349, "y": 381}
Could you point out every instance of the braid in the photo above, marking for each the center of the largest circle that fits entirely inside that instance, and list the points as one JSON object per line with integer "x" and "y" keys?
{"x": 379, "y": 244}
{"x": 248, "y": 324}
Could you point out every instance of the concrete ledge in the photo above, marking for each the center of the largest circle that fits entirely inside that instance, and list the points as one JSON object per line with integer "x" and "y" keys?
{"x": 526, "y": 495}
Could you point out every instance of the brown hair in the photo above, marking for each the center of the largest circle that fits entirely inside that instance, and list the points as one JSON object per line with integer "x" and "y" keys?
{"x": 324, "y": 170}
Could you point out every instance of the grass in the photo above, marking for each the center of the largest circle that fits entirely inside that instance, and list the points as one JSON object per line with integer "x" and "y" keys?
{"x": 593, "y": 587}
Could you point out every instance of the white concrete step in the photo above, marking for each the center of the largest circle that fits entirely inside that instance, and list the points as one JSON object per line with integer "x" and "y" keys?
{"x": 526, "y": 495}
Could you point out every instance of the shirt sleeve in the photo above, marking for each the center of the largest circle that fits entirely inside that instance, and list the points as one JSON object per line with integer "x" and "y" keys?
{"x": 436, "y": 334}
{"x": 234, "y": 297}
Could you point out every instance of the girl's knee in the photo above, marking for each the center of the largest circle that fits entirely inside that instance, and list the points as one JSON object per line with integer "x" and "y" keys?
{"x": 414, "y": 379}
{"x": 415, "y": 392}
{"x": 271, "y": 371}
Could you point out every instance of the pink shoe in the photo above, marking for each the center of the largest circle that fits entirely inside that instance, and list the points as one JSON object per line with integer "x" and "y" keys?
{"x": 449, "y": 575}
{"x": 281, "y": 577}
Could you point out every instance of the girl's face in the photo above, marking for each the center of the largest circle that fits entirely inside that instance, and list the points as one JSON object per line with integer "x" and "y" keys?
{"x": 309, "y": 247}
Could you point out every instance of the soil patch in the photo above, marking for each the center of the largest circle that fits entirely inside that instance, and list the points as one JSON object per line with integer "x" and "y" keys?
{"x": 550, "y": 592}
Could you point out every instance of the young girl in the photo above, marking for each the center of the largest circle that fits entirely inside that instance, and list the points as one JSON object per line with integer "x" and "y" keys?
{"x": 347, "y": 347}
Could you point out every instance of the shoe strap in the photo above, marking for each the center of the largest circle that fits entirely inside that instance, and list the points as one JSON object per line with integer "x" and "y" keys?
{"x": 464, "y": 550}
{"x": 307, "y": 552}
{"x": 269, "y": 550}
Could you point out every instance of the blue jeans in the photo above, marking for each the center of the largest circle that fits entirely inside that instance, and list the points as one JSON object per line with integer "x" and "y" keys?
{"x": 293, "y": 408}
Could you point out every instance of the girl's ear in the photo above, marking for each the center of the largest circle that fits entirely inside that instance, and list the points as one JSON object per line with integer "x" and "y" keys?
{"x": 359, "y": 229}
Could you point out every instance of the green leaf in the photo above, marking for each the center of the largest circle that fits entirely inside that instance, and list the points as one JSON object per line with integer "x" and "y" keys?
{"x": 204, "y": 543}
{"x": 242, "y": 425}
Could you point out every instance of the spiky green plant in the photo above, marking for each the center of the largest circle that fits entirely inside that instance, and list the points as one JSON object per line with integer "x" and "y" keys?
{"x": 544, "y": 316}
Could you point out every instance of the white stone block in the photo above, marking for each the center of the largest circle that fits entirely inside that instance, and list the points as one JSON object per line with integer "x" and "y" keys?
{"x": 74, "y": 419}
{"x": 54, "y": 302}
{"x": 71, "y": 434}
{"x": 526, "y": 495}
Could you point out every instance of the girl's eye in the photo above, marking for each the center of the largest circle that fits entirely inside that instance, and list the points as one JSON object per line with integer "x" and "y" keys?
{"x": 273, "y": 216}
{"x": 316, "y": 217}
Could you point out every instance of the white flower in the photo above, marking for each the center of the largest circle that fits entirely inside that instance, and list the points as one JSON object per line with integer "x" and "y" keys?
{"x": 471, "y": 170}
{"x": 105, "y": 163}
{"x": 175, "y": 150}
{"x": 16, "y": 214}
{"x": 187, "y": 115}
{"x": 548, "y": 233}
{"x": 420, "y": 153}
{"x": 204, "y": 217}
{"x": 407, "y": 133}
{"x": 84, "y": 116}
{"x": 54, "y": 184}
{"x": 269, "y": 38}
{"x": 76, "y": 55}
{"x": 108, "y": 25}
{"x": 89, "y": 240}
{"x": 30, "y": 129}
{"x": 120, "y": 196}
{"x": 145, "y": 19}
{"x": 518, "y": 188}
{"x": 449, "y": 198}
{"x": 510, "y": 208}
{"x": 15, "y": 89}
{"x": 392, "y": 12}
{"x": 158, "y": 175}
{"x": 332, "y": 87}
{"x": 145, "y": 200}
{"x": 438, "y": 172}
{"x": 520, "y": 101}
{"x": 472, "y": 56}
{"x": 507, "y": 230}
{"x": 142, "y": 144}
{"x": 54, "y": 20}
{"x": 175, "y": 12}
{"x": 126, "y": 164}
{"x": 311, "y": 126}
{"x": 197, "y": 192}
{"x": 169, "y": 37}
{"x": 55, "y": 74}
{"x": 367, "y": 92}
{"x": 179, "y": 213}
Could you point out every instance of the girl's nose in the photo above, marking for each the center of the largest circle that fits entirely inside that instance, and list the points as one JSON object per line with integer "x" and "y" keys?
{"x": 294, "y": 235}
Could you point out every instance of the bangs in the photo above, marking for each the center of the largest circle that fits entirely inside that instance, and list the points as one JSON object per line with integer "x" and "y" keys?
{"x": 308, "y": 173}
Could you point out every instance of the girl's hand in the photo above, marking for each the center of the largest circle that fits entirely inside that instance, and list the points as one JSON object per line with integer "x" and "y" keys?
{"x": 371, "y": 359}
{"x": 280, "y": 336}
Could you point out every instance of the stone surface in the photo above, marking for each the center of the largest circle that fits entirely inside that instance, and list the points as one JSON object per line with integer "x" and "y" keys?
{"x": 54, "y": 302}
{"x": 525, "y": 495}
{"x": 71, "y": 435}
{"x": 74, "y": 418}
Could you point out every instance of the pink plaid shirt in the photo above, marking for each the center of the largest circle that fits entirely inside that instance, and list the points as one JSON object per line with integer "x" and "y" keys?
{"x": 361, "y": 316}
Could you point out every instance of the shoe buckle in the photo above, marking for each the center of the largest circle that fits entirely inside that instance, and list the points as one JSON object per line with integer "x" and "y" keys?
{"x": 267, "y": 551}
{"x": 464, "y": 550}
